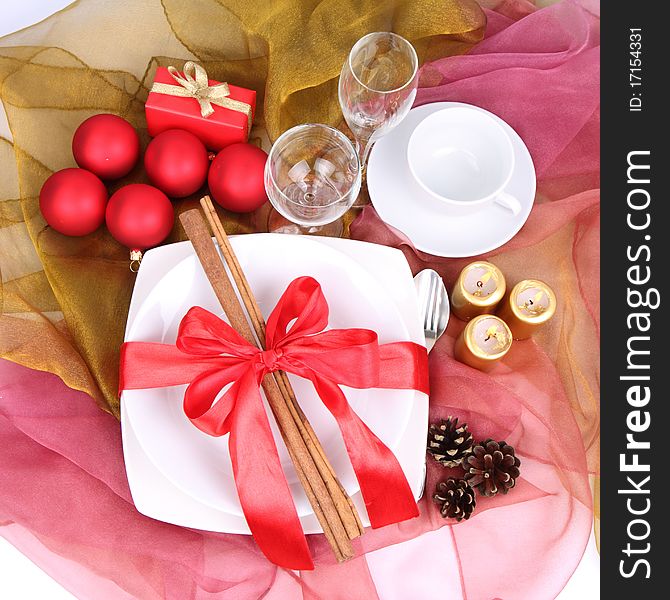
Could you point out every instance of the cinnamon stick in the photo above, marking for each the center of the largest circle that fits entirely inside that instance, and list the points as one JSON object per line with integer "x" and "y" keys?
{"x": 345, "y": 506}
{"x": 308, "y": 473}
{"x": 343, "y": 502}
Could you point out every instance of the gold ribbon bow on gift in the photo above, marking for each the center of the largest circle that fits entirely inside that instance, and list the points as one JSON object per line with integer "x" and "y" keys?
{"x": 194, "y": 83}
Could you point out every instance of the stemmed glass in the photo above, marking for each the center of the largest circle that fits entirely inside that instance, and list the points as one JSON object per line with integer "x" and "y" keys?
{"x": 312, "y": 177}
{"x": 377, "y": 87}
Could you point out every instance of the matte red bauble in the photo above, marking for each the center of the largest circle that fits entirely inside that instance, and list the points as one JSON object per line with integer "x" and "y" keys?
{"x": 139, "y": 216}
{"x": 176, "y": 162}
{"x": 236, "y": 177}
{"x": 106, "y": 145}
{"x": 73, "y": 201}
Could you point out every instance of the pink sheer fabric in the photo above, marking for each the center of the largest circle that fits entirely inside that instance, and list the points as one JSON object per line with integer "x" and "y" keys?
{"x": 65, "y": 500}
{"x": 67, "y": 505}
{"x": 538, "y": 70}
{"x": 540, "y": 74}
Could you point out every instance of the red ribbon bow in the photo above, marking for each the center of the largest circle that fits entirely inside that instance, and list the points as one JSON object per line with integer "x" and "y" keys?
{"x": 209, "y": 354}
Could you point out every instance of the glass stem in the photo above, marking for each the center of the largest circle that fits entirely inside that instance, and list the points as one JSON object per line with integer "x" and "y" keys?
{"x": 363, "y": 146}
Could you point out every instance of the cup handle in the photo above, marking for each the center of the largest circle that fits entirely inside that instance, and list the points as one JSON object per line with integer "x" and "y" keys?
{"x": 509, "y": 202}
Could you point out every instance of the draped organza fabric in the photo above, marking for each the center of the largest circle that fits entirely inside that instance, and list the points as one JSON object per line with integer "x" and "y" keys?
{"x": 65, "y": 500}
{"x": 540, "y": 74}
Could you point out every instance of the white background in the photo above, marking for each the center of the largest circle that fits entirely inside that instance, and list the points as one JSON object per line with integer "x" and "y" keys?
{"x": 20, "y": 579}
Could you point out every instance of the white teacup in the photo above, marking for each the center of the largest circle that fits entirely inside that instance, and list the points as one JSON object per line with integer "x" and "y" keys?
{"x": 463, "y": 157}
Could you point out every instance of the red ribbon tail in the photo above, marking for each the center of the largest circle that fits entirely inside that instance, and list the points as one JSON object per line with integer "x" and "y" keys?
{"x": 404, "y": 366}
{"x": 261, "y": 485}
{"x": 145, "y": 365}
{"x": 387, "y": 495}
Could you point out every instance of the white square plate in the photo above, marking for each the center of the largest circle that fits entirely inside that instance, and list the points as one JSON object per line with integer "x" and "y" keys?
{"x": 366, "y": 286}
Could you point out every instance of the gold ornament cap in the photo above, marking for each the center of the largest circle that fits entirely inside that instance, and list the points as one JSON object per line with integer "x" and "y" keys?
{"x": 135, "y": 260}
{"x": 484, "y": 341}
{"x": 478, "y": 290}
{"x": 528, "y": 306}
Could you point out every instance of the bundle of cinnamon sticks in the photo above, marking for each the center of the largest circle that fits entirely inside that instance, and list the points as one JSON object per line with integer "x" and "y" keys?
{"x": 331, "y": 504}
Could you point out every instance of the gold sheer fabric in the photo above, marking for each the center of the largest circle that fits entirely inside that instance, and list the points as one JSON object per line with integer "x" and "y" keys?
{"x": 65, "y": 300}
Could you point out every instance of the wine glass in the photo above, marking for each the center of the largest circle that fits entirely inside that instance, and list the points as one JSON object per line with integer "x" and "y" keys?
{"x": 377, "y": 87}
{"x": 312, "y": 177}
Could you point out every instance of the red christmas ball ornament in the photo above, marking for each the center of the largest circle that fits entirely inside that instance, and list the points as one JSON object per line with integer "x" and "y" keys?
{"x": 236, "y": 177}
{"x": 176, "y": 162}
{"x": 73, "y": 201}
{"x": 139, "y": 216}
{"x": 106, "y": 145}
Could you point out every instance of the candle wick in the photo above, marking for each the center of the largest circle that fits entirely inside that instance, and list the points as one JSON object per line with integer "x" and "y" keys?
{"x": 530, "y": 307}
{"x": 493, "y": 332}
{"x": 480, "y": 284}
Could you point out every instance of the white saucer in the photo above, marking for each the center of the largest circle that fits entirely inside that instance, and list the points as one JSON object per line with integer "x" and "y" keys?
{"x": 402, "y": 203}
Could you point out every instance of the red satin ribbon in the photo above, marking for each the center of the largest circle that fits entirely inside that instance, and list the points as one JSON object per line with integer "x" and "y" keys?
{"x": 209, "y": 354}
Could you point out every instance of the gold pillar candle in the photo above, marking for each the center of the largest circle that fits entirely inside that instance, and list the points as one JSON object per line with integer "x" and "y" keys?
{"x": 529, "y": 305}
{"x": 483, "y": 342}
{"x": 478, "y": 290}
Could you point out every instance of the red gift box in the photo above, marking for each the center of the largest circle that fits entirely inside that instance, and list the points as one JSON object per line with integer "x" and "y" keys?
{"x": 223, "y": 127}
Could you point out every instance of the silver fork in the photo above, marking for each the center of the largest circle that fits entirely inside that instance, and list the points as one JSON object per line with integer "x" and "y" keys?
{"x": 434, "y": 311}
{"x": 433, "y": 305}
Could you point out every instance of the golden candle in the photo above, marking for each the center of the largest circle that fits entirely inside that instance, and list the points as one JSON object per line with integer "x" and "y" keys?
{"x": 529, "y": 305}
{"x": 479, "y": 288}
{"x": 483, "y": 342}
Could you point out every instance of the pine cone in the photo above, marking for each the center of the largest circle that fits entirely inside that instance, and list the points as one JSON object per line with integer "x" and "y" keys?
{"x": 492, "y": 468}
{"x": 448, "y": 443}
{"x": 457, "y": 499}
